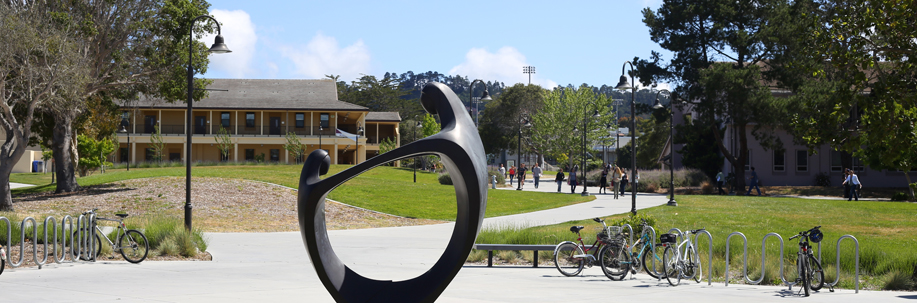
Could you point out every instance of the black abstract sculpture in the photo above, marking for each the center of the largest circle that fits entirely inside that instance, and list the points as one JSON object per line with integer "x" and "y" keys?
{"x": 462, "y": 154}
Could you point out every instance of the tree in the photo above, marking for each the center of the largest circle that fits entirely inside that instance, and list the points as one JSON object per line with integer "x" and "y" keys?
{"x": 858, "y": 90}
{"x": 132, "y": 47}
{"x": 499, "y": 123}
{"x": 39, "y": 65}
{"x": 294, "y": 146}
{"x": 699, "y": 150}
{"x": 224, "y": 143}
{"x": 719, "y": 47}
{"x": 157, "y": 144}
{"x": 94, "y": 153}
{"x": 562, "y": 110}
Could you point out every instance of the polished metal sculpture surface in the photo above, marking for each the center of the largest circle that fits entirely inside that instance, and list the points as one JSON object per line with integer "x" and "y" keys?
{"x": 462, "y": 154}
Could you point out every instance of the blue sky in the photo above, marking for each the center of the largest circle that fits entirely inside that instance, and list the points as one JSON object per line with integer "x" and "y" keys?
{"x": 568, "y": 42}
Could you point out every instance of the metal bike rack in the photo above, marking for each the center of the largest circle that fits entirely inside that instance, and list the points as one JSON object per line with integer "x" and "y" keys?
{"x": 652, "y": 248}
{"x": 857, "y": 256}
{"x": 631, "y": 232}
{"x": 63, "y": 247}
{"x": 744, "y": 254}
{"x": 44, "y": 259}
{"x": 22, "y": 243}
{"x": 86, "y": 229}
{"x": 677, "y": 234}
{"x": 709, "y": 254}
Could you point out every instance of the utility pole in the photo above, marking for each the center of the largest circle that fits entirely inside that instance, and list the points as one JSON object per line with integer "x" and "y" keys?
{"x": 529, "y": 70}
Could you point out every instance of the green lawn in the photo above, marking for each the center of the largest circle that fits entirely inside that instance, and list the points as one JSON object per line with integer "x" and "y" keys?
{"x": 385, "y": 189}
{"x": 885, "y": 231}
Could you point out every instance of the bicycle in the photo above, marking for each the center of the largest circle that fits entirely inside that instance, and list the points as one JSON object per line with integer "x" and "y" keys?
{"x": 2, "y": 259}
{"x": 680, "y": 261}
{"x": 132, "y": 244}
{"x": 641, "y": 250}
{"x": 570, "y": 257}
{"x": 810, "y": 272}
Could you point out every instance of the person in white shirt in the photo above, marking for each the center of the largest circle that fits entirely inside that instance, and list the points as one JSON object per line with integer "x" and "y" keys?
{"x": 855, "y": 184}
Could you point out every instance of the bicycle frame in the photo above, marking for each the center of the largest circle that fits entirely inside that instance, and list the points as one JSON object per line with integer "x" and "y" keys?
{"x": 122, "y": 231}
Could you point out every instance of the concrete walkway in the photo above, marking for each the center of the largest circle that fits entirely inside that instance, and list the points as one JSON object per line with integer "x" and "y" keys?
{"x": 18, "y": 185}
{"x": 274, "y": 267}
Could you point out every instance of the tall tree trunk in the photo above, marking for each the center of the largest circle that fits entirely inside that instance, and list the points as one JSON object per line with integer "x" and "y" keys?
{"x": 737, "y": 160}
{"x": 6, "y": 167}
{"x": 61, "y": 145}
{"x": 10, "y": 154}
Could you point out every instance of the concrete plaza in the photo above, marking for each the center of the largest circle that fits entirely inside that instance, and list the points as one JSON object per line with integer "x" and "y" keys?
{"x": 274, "y": 267}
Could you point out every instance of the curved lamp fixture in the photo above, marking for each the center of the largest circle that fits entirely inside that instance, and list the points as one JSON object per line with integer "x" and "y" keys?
{"x": 462, "y": 153}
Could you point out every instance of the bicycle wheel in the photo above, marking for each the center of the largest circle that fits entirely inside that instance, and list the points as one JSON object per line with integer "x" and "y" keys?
{"x": 565, "y": 260}
{"x": 671, "y": 265}
{"x": 133, "y": 246}
{"x": 649, "y": 254}
{"x": 84, "y": 250}
{"x": 635, "y": 264}
{"x": 614, "y": 262}
{"x": 816, "y": 274}
{"x": 692, "y": 265}
{"x": 2, "y": 263}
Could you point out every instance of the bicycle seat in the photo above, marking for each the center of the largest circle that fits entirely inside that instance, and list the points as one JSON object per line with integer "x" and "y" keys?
{"x": 122, "y": 216}
{"x": 576, "y": 229}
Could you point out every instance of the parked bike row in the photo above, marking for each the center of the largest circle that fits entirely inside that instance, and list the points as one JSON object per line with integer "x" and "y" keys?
{"x": 84, "y": 241}
{"x": 617, "y": 254}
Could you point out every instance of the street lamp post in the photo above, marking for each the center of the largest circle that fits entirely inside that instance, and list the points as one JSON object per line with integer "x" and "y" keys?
{"x": 356, "y": 154}
{"x": 484, "y": 97}
{"x": 419, "y": 125}
{"x": 623, "y": 85}
{"x": 124, "y": 131}
{"x": 671, "y": 147}
{"x": 522, "y": 123}
{"x": 218, "y": 47}
{"x": 583, "y": 161}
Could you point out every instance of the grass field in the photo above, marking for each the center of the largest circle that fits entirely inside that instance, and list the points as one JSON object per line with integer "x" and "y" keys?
{"x": 386, "y": 189}
{"x": 885, "y": 231}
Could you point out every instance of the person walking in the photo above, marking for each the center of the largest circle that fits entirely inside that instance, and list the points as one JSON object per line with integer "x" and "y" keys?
{"x": 512, "y": 174}
{"x": 559, "y": 178}
{"x": 521, "y": 173}
{"x": 754, "y": 182}
{"x": 536, "y": 173}
{"x": 573, "y": 179}
{"x": 503, "y": 171}
{"x": 853, "y": 182}
{"x": 616, "y": 180}
{"x": 623, "y": 182}
{"x": 719, "y": 183}
{"x": 846, "y": 184}
{"x": 603, "y": 181}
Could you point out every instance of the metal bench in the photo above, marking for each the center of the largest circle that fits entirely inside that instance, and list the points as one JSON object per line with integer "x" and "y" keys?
{"x": 490, "y": 248}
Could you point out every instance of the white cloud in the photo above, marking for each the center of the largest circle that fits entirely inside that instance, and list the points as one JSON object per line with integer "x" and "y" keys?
{"x": 505, "y": 66}
{"x": 322, "y": 56}
{"x": 239, "y": 34}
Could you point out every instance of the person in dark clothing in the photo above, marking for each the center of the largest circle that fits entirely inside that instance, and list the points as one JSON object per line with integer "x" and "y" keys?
{"x": 603, "y": 182}
{"x": 559, "y": 178}
{"x": 623, "y": 183}
{"x": 573, "y": 179}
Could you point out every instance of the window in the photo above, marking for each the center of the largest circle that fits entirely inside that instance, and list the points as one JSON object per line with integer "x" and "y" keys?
{"x": 836, "y": 163}
{"x": 779, "y": 160}
{"x": 802, "y": 161}
{"x": 858, "y": 165}
{"x": 300, "y": 120}
{"x": 324, "y": 121}
{"x": 275, "y": 155}
{"x": 224, "y": 120}
{"x": 249, "y": 155}
{"x": 748, "y": 160}
{"x": 249, "y": 119}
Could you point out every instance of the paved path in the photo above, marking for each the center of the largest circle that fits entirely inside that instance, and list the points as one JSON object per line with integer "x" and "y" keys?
{"x": 274, "y": 267}
{"x": 18, "y": 185}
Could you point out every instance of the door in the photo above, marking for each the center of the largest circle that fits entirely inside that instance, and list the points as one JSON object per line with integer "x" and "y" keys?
{"x": 275, "y": 126}
{"x": 200, "y": 126}
{"x": 149, "y": 122}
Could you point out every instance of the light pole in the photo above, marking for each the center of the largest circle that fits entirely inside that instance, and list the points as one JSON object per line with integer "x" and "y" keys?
{"x": 671, "y": 146}
{"x": 529, "y": 70}
{"x": 484, "y": 97}
{"x": 583, "y": 167}
{"x": 218, "y": 47}
{"x": 419, "y": 125}
{"x": 522, "y": 123}
{"x": 356, "y": 154}
{"x": 623, "y": 85}
{"x": 124, "y": 131}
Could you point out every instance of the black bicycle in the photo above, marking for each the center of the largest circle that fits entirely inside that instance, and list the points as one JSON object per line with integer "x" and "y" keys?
{"x": 811, "y": 274}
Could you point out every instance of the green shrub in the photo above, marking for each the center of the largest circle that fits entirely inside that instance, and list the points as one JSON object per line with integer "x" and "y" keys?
{"x": 500, "y": 178}
{"x": 169, "y": 237}
{"x": 898, "y": 280}
{"x": 822, "y": 179}
{"x": 899, "y": 196}
{"x": 15, "y": 225}
{"x": 635, "y": 222}
{"x": 445, "y": 179}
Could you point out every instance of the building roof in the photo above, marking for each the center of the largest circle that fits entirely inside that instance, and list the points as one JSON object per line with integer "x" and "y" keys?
{"x": 264, "y": 94}
{"x": 383, "y": 117}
